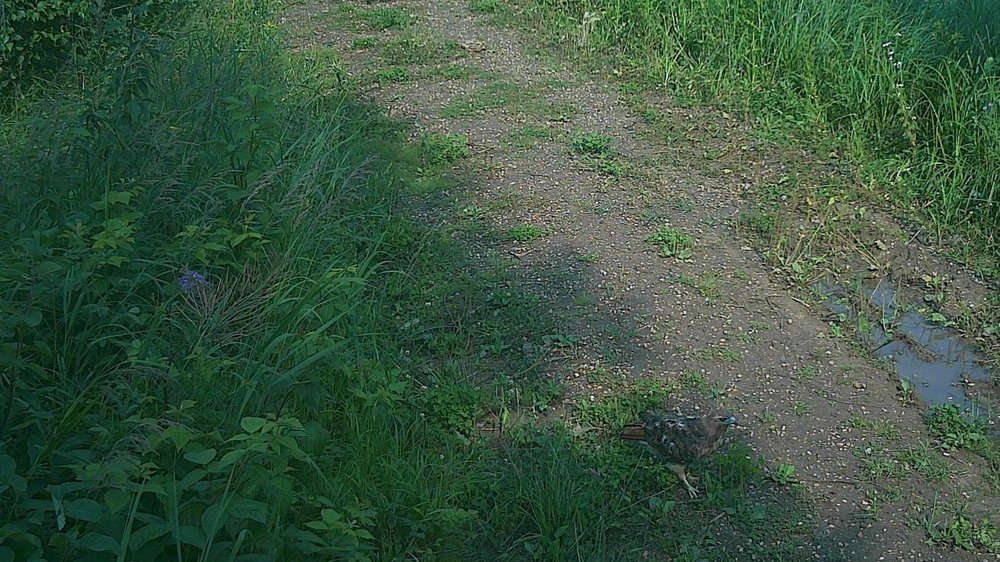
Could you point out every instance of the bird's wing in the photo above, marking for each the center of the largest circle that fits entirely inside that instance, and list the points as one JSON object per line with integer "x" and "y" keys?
{"x": 677, "y": 438}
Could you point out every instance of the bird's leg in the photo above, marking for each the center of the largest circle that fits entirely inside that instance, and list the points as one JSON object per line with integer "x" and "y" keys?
{"x": 678, "y": 469}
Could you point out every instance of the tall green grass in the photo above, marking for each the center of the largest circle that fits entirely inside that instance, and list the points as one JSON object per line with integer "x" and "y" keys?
{"x": 190, "y": 352}
{"x": 914, "y": 100}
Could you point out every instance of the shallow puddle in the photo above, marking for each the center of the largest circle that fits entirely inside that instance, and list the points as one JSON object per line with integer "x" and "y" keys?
{"x": 941, "y": 367}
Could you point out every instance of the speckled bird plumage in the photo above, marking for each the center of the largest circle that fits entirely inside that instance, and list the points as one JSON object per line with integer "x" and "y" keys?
{"x": 680, "y": 440}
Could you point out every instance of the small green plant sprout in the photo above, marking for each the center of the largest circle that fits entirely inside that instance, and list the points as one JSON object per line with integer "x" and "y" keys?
{"x": 528, "y": 136}
{"x": 718, "y": 353}
{"x": 882, "y": 428}
{"x": 941, "y": 319}
{"x": 906, "y": 394}
{"x": 660, "y": 510}
{"x": 363, "y": 42}
{"x": 671, "y": 243}
{"x": 783, "y": 474}
{"x": 473, "y": 212}
{"x": 934, "y": 285}
{"x": 524, "y": 233}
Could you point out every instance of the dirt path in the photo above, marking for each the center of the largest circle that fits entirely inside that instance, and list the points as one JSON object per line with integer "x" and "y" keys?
{"x": 717, "y": 322}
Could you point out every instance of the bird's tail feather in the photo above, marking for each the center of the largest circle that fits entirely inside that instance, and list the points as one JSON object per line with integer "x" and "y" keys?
{"x": 634, "y": 432}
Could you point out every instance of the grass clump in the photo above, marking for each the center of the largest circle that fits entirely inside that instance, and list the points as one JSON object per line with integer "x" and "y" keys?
{"x": 525, "y": 233}
{"x": 383, "y": 18}
{"x": 444, "y": 148}
{"x": 963, "y": 532}
{"x": 529, "y": 136}
{"x": 509, "y": 97}
{"x": 484, "y": 6}
{"x": 497, "y": 95}
{"x": 392, "y": 74}
{"x": 596, "y": 149}
{"x": 419, "y": 49}
{"x": 363, "y": 42}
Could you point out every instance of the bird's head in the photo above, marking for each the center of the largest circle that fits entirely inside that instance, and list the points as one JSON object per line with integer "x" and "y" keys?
{"x": 725, "y": 419}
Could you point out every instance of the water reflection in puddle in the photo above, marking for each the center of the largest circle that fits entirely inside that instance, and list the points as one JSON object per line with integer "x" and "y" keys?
{"x": 941, "y": 367}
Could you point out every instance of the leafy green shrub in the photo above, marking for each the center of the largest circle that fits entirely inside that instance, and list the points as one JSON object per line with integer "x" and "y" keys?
{"x": 184, "y": 258}
{"x": 38, "y": 36}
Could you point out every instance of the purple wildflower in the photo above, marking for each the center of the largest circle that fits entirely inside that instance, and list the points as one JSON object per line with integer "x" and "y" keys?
{"x": 191, "y": 280}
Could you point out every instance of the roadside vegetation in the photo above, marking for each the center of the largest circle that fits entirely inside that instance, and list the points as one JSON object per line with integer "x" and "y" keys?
{"x": 222, "y": 338}
{"x": 907, "y": 90}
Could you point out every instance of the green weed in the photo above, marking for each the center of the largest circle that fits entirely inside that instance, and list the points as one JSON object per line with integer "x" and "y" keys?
{"x": 757, "y": 222}
{"x": 783, "y": 474}
{"x": 806, "y": 373}
{"x": 952, "y": 430}
{"x": 707, "y": 285}
{"x": 509, "y": 97}
{"x": 392, "y": 74}
{"x": 382, "y": 18}
{"x": 596, "y": 149}
{"x": 528, "y": 136}
{"x": 671, "y": 243}
{"x": 883, "y": 428}
{"x": 484, "y": 6}
{"x": 962, "y": 532}
{"x": 525, "y": 233}
{"x": 419, "y": 49}
{"x": 591, "y": 144}
{"x": 364, "y": 42}
{"x": 623, "y": 406}
{"x": 443, "y": 148}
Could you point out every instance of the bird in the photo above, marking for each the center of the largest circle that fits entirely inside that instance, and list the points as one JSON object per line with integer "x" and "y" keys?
{"x": 680, "y": 440}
